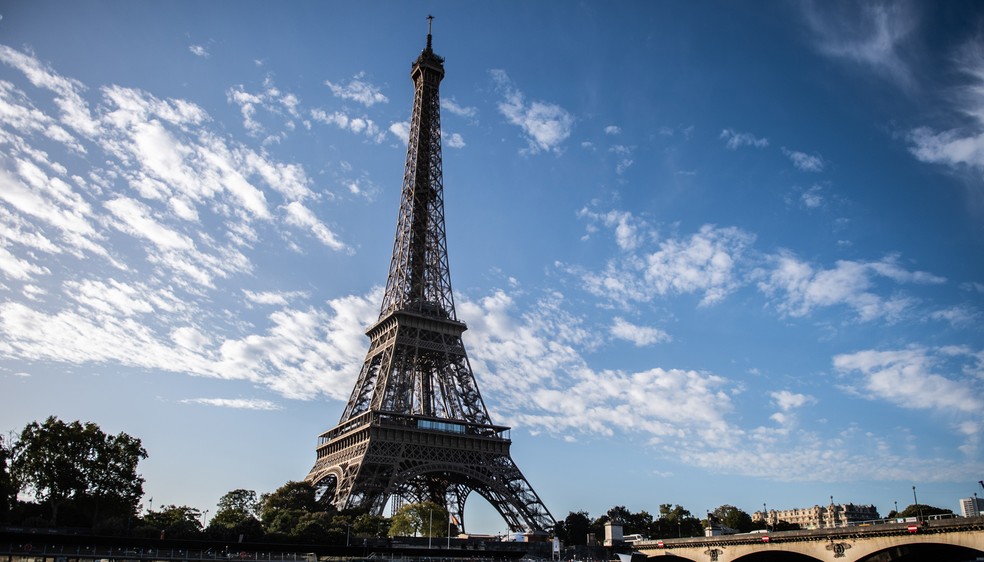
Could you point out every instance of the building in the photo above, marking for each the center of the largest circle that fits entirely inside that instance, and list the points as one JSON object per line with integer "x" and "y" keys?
{"x": 972, "y": 507}
{"x": 819, "y": 517}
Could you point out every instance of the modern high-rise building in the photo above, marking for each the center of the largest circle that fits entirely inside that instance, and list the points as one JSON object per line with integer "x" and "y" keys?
{"x": 972, "y": 507}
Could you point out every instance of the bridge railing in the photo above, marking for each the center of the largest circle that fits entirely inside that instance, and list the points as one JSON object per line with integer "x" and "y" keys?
{"x": 28, "y": 551}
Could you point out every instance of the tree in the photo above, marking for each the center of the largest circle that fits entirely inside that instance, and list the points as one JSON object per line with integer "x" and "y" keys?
{"x": 922, "y": 510}
{"x": 619, "y": 515}
{"x": 62, "y": 462}
{"x": 7, "y": 492}
{"x": 733, "y": 518}
{"x": 282, "y": 511}
{"x": 427, "y": 519}
{"x": 236, "y": 516}
{"x": 368, "y": 525}
{"x": 573, "y": 530}
{"x": 675, "y": 521}
{"x": 175, "y": 522}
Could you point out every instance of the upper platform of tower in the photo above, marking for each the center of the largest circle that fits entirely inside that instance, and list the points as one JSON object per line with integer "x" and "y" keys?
{"x": 428, "y": 58}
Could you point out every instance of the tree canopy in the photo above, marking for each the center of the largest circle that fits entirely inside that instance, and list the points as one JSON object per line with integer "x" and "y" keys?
{"x": 60, "y": 462}
{"x": 733, "y": 518}
{"x": 426, "y": 519}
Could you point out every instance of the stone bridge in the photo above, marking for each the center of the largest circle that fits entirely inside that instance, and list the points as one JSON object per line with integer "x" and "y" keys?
{"x": 947, "y": 540}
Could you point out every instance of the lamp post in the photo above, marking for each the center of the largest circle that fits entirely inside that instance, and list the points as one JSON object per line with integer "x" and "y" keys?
{"x": 915, "y": 501}
{"x": 205, "y": 519}
{"x": 765, "y": 514}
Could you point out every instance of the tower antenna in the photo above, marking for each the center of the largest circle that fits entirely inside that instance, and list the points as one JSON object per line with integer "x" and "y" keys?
{"x": 430, "y": 23}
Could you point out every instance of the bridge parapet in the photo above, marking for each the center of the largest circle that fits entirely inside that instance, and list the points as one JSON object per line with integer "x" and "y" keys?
{"x": 832, "y": 542}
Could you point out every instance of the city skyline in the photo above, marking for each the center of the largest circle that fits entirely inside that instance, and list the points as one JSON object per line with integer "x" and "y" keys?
{"x": 706, "y": 255}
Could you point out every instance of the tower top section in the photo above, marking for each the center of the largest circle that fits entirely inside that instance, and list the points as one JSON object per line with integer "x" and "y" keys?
{"x": 419, "y": 281}
{"x": 428, "y": 58}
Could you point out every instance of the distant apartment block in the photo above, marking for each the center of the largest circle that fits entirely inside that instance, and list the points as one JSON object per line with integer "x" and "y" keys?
{"x": 972, "y": 507}
{"x": 819, "y": 517}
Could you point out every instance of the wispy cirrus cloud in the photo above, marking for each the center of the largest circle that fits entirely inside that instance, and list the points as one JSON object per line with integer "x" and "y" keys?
{"x": 735, "y": 140}
{"x": 451, "y": 105}
{"x": 871, "y": 34}
{"x": 236, "y": 403}
{"x": 545, "y": 125}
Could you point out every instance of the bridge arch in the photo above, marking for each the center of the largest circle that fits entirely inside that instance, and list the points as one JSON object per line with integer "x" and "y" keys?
{"x": 940, "y": 548}
{"x": 777, "y": 556}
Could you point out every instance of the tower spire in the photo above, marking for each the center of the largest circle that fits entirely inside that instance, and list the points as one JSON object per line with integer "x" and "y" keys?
{"x": 430, "y": 22}
{"x": 415, "y": 425}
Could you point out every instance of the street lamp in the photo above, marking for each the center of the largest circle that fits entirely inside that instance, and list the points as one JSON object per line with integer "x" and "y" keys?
{"x": 765, "y": 514}
{"x": 915, "y": 501}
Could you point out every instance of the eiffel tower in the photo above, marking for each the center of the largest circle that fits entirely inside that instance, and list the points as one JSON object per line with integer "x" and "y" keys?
{"x": 415, "y": 427}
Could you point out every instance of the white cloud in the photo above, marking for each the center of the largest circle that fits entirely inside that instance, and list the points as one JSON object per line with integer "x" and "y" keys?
{"x": 528, "y": 361}
{"x": 705, "y": 262}
{"x": 13, "y": 267}
{"x": 301, "y": 216}
{"x": 358, "y": 125}
{"x": 401, "y": 130}
{"x": 111, "y": 297}
{"x": 134, "y": 218}
{"x": 451, "y": 105}
{"x": 456, "y": 141}
{"x": 285, "y": 107}
{"x": 612, "y": 130}
{"x": 800, "y": 288}
{"x": 963, "y": 315}
{"x": 277, "y": 298}
{"x": 68, "y": 98}
{"x": 803, "y": 161}
{"x": 961, "y": 147}
{"x": 545, "y": 125}
{"x": 641, "y": 336}
{"x": 531, "y": 365}
{"x": 235, "y": 403}
{"x": 358, "y": 90}
{"x": 919, "y": 378}
{"x": 624, "y": 158}
{"x": 301, "y": 355}
{"x": 871, "y": 34}
{"x": 787, "y": 400}
{"x": 198, "y": 51}
{"x": 812, "y": 198}
{"x": 735, "y": 140}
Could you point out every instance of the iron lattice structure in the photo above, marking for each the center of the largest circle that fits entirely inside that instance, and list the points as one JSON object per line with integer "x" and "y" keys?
{"x": 416, "y": 426}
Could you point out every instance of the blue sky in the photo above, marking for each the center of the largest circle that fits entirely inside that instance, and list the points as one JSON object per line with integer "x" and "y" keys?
{"x": 707, "y": 253}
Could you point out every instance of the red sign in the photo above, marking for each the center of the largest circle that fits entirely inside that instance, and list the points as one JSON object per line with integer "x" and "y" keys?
{"x": 659, "y": 544}
{"x": 913, "y": 528}
{"x": 765, "y": 538}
